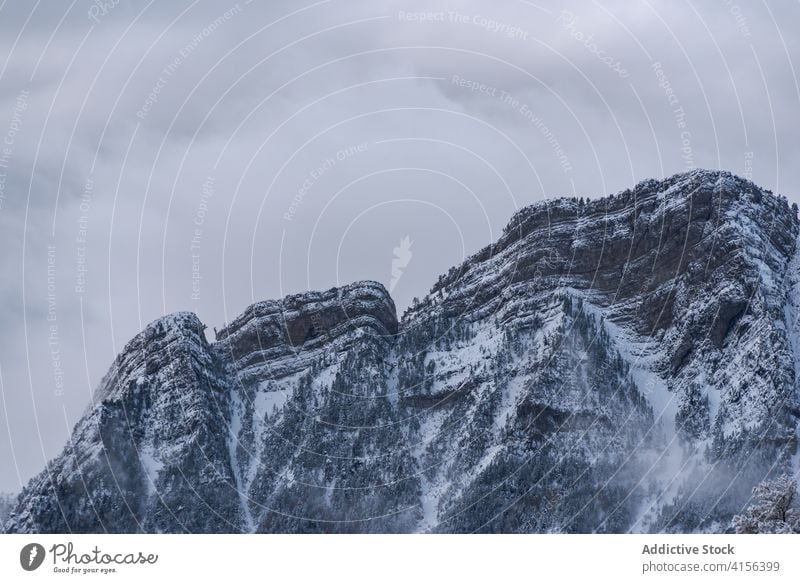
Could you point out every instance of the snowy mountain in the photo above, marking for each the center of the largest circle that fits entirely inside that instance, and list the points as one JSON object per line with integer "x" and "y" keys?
{"x": 627, "y": 363}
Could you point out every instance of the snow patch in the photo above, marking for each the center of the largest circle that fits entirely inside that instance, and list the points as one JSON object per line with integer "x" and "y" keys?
{"x": 792, "y": 317}
{"x": 151, "y": 466}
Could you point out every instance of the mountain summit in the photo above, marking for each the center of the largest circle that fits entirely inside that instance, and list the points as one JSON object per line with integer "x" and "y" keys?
{"x": 622, "y": 364}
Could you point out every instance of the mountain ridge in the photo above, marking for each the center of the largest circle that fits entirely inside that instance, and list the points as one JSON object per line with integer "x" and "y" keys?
{"x": 605, "y": 366}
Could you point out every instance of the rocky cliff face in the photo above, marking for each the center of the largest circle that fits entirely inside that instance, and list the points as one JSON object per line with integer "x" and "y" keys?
{"x": 151, "y": 452}
{"x": 623, "y": 364}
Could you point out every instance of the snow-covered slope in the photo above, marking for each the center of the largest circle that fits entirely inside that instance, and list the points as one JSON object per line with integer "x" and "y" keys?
{"x": 627, "y": 363}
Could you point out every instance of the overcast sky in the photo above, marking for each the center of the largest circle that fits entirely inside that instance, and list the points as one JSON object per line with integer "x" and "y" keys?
{"x": 201, "y": 156}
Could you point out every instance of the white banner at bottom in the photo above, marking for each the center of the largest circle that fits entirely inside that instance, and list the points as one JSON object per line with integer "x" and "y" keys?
{"x": 377, "y": 558}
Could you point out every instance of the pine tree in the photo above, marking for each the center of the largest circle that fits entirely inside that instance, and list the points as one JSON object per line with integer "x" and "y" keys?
{"x": 774, "y": 509}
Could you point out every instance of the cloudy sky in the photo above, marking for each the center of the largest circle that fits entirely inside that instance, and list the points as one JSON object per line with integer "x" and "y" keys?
{"x": 198, "y": 155}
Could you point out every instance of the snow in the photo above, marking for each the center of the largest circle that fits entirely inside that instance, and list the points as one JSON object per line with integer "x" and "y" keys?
{"x": 431, "y": 491}
{"x": 329, "y": 489}
{"x": 641, "y": 354}
{"x": 667, "y": 464}
{"x": 393, "y": 383}
{"x": 269, "y": 403}
{"x": 326, "y": 376}
{"x": 233, "y": 442}
{"x": 151, "y": 465}
{"x": 511, "y": 397}
{"x": 792, "y": 318}
{"x": 714, "y": 397}
{"x": 452, "y": 367}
